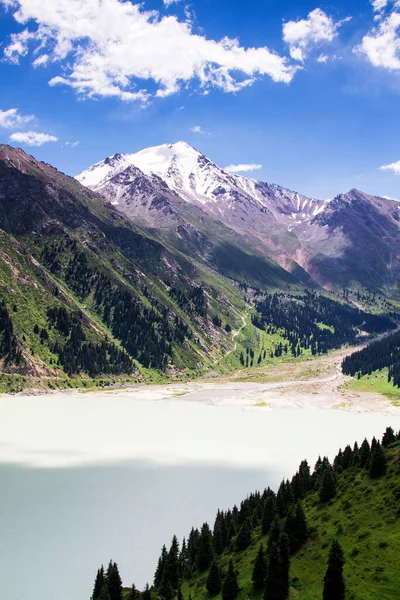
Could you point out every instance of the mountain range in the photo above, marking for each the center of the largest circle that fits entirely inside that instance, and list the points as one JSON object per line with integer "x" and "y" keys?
{"x": 352, "y": 241}
{"x": 161, "y": 262}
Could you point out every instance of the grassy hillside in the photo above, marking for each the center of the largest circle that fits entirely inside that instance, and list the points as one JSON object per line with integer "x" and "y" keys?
{"x": 363, "y": 515}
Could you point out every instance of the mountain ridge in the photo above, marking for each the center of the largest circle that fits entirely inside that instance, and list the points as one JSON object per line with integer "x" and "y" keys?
{"x": 328, "y": 240}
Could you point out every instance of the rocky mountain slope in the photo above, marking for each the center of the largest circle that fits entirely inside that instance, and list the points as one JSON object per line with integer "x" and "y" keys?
{"x": 352, "y": 241}
{"x": 85, "y": 290}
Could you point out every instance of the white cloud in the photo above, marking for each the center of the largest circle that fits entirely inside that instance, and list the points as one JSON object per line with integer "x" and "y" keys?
{"x": 395, "y": 167}
{"x": 198, "y": 129}
{"x": 115, "y": 48}
{"x": 322, "y": 58}
{"x": 379, "y": 5}
{"x": 303, "y": 35}
{"x": 11, "y": 119}
{"x": 32, "y": 138}
{"x": 242, "y": 168}
{"x": 72, "y": 144}
{"x": 169, "y": 2}
{"x": 382, "y": 44}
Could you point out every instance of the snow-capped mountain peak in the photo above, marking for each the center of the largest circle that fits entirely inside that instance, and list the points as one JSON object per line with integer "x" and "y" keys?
{"x": 198, "y": 180}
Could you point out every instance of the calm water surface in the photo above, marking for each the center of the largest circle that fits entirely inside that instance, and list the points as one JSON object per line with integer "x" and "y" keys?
{"x": 86, "y": 478}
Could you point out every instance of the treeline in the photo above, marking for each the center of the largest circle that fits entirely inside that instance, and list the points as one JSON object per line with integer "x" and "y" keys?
{"x": 8, "y": 342}
{"x": 379, "y": 355}
{"x": 280, "y": 516}
{"x": 75, "y": 353}
{"x": 314, "y": 322}
{"x": 146, "y": 331}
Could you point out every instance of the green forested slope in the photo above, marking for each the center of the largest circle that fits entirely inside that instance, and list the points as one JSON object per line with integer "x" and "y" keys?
{"x": 355, "y": 500}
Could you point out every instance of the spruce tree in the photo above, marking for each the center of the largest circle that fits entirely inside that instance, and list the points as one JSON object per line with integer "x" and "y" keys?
{"x": 162, "y": 563}
{"x": 113, "y": 582}
{"x": 173, "y": 566}
{"x": 180, "y": 595}
{"x": 334, "y": 587}
{"x": 214, "y": 580}
{"x": 243, "y": 539}
{"x": 230, "y": 588}
{"x": 133, "y": 593}
{"x": 146, "y": 593}
{"x": 388, "y": 437}
{"x": 259, "y": 569}
{"x": 98, "y": 583}
{"x": 274, "y": 584}
{"x": 378, "y": 462}
{"x": 269, "y": 514}
{"x": 327, "y": 490}
{"x": 104, "y": 595}
{"x": 365, "y": 453}
{"x": 204, "y": 548}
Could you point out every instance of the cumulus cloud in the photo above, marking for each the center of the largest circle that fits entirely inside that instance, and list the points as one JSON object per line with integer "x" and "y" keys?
{"x": 381, "y": 45}
{"x": 12, "y": 119}
{"x": 379, "y": 5}
{"x": 169, "y": 2}
{"x": 303, "y": 35}
{"x": 242, "y": 168}
{"x": 395, "y": 167}
{"x": 322, "y": 58}
{"x": 115, "y": 48}
{"x": 32, "y": 138}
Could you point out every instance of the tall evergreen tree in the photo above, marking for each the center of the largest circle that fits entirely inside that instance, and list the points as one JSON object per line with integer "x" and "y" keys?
{"x": 230, "y": 588}
{"x": 269, "y": 514}
{"x": 378, "y": 462}
{"x": 327, "y": 490}
{"x": 388, "y": 437}
{"x": 274, "y": 583}
{"x": 104, "y": 595}
{"x": 98, "y": 583}
{"x": 146, "y": 593}
{"x": 204, "y": 548}
{"x": 114, "y": 582}
{"x": 161, "y": 566}
{"x": 133, "y": 593}
{"x": 173, "y": 566}
{"x": 259, "y": 570}
{"x": 334, "y": 587}
{"x": 365, "y": 454}
{"x": 214, "y": 580}
{"x": 243, "y": 539}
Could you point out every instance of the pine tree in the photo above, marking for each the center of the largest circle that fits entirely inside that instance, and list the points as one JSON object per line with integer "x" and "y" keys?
{"x": 173, "y": 567}
{"x": 365, "y": 454}
{"x": 388, "y": 437}
{"x": 214, "y": 580}
{"x": 243, "y": 539}
{"x": 327, "y": 491}
{"x": 274, "y": 585}
{"x": 269, "y": 514}
{"x": 259, "y": 569}
{"x": 204, "y": 548}
{"x": 296, "y": 527}
{"x": 134, "y": 593}
{"x": 162, "y": 563}
{"x": 104, "y": 595}
{"x": 98, "y": 584}
{"x": 284, "y": 555}
{"x": 230, "y": 588}
{"x": 113, "y": 582}
{"x": 334, "y": 587}
{"x": 146, "y": 594}
{"x": 378, "y": 462}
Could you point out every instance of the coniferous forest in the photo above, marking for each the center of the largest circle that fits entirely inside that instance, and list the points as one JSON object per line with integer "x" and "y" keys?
{"x": 315, "y": 322}
{"x": 276, "y": 529}
{"x": 382, "y": 354}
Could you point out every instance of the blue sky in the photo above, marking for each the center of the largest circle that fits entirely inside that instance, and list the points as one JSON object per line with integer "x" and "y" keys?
{"x": 308, "y": 90}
